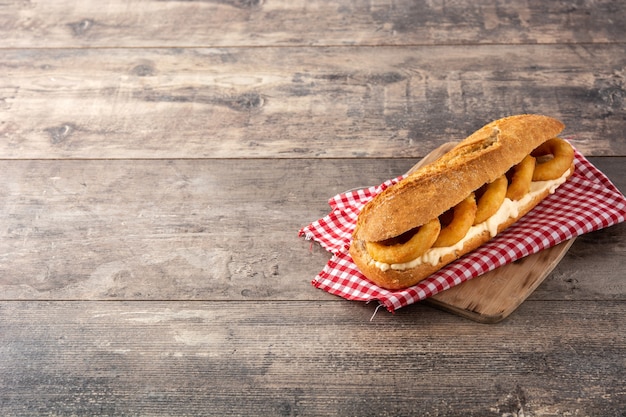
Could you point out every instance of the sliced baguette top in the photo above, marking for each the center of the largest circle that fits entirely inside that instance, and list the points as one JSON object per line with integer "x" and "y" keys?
{"x": 431, "y": 190}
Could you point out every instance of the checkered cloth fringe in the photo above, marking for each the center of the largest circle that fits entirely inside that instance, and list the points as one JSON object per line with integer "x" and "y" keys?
{"x": 588, "y": 201}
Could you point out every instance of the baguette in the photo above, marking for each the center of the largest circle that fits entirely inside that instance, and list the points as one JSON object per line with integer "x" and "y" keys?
{"x": 398, "y": 213}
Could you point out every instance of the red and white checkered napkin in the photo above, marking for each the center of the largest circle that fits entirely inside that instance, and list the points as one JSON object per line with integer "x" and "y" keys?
{"x": 588, "y": 201}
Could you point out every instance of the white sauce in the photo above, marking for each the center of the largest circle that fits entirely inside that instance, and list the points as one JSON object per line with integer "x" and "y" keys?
{"x": 509, "y": 208}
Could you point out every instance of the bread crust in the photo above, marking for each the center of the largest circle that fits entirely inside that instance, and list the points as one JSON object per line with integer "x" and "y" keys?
{"x": 436, "y": 187}
{"x": 481, "y": 158}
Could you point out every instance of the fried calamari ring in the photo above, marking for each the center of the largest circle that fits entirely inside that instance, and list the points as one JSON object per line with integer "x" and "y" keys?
{"x": 562, "y": 158}
{"x": 520, "y": 181}
{"x": 464, "y": 214}
{"x": 555, "y": 156}
{"x": 397, "y": 251}
{"x": 491, "y": 200}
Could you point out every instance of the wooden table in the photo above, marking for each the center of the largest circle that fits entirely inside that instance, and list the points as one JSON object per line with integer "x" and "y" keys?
{"x": 159, "y": 158}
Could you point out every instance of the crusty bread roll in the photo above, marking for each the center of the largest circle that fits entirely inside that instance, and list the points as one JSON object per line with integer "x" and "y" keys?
{"x": 439, "y": 186}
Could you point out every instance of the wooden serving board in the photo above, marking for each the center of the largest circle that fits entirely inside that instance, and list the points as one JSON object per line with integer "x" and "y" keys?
{"x": 493, "y": 296}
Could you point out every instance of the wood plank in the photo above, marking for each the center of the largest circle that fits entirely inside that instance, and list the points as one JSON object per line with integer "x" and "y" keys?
{"x": 299, "y": 102}
{"x": 308, "y": 358}
{"x": 209, "y": 229}
{"x": 155, "y": 230}
{"x": 143, "y": 23}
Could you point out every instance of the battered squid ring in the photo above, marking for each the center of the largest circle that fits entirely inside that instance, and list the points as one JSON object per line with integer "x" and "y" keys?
{"x": 397, "y": 252}
{"x": 556, "y": 157}
{"x": 563, "y": 156}
{"x": 464, "y": 214}
{"x": 491, "y": 200}
{"x": 520, "y": 181}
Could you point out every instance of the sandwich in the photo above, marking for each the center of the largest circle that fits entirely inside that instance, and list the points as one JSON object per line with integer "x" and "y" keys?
{"x": 457, "y": 203}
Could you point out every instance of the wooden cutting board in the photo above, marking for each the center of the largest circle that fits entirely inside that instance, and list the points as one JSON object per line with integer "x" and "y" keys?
{"x": 493, "y": 296}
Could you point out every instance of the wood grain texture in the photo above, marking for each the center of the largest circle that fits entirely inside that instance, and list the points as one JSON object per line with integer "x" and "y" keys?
{"x": 154, "y": 230}
{"x": 207, "y": 229}
{"x": 144, "y": 23}
{"x": 308, "y": 358}
{"x": 299, "y": 102}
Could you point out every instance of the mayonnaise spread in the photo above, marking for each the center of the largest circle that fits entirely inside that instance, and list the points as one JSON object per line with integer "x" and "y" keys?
{"x": 509, "y": 208}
